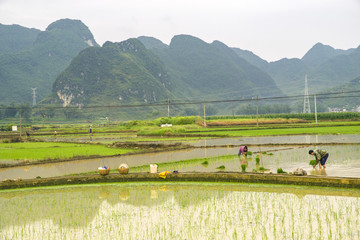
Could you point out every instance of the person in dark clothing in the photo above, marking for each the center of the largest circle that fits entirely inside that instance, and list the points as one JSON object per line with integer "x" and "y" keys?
{"x": 321, "y": 157}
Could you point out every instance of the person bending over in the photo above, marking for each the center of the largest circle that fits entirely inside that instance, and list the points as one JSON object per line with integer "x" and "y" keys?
{"x": 320, "y": 156}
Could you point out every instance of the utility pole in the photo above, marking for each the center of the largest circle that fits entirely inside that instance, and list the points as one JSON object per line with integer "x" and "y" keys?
{"x": 232, "y": 104}
{"x": 306, "y": 108}
{"x": 168, "y": 107}
{"x": 257, "y": 111}
{"x": 204, "y": 117}
{"x": 315, "y": 109}
{"x": 20, "y": 124}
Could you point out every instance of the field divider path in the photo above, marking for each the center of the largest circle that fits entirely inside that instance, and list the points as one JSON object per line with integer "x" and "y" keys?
{"x": 233, "y": 177}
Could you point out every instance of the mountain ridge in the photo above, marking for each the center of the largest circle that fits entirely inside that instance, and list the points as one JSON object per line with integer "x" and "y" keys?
{"x": 152, "y": 71}
{"x": 38, "y": 66}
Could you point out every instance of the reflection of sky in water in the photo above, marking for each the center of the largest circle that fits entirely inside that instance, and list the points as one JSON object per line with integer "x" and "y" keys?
{"x": 180, "y": 211}
{"x": 292, "y": 139}
{"x": 309, "y": 139}
{"x": 344, "y": 160}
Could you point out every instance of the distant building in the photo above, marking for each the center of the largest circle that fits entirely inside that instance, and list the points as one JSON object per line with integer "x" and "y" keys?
{"x": 337, "y": 109}
{"x": 356, "y": 109}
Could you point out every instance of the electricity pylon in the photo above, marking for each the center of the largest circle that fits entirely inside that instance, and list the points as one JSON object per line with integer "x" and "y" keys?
{"x": 34, "y": 96}
{"x": 306, "y": 108}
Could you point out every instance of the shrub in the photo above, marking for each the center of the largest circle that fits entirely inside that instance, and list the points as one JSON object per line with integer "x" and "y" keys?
{"x": 175, "y": 120}
{"x": 161, "y": 131}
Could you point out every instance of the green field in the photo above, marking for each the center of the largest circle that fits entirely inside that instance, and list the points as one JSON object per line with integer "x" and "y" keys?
{"x": 34, "y": 151}
{"x": 44, "y": 145}
{"x": 281, "y": 131}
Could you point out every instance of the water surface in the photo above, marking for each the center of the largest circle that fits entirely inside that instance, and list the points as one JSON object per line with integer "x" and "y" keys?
{"x": 344, "y": 160}
{"x": 180, "y": 211}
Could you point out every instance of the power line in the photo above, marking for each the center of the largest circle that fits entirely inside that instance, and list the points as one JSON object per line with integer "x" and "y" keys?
{"x": 184, "y": 102}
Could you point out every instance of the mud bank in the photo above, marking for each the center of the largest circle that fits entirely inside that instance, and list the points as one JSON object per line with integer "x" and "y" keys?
{"x": 321, "y": 181}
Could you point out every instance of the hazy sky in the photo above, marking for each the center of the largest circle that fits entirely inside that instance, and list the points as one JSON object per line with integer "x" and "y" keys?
{"x": 272, "y": 29}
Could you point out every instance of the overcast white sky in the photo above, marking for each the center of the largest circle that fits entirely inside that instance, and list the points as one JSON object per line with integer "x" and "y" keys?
{"x": 272, "y": 29}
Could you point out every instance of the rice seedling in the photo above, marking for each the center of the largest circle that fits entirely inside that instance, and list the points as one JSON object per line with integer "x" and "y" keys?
{"x": 205, "y": 163}
{"x": 222, "y": 167}
{"x": 243, "y": 167}
{"x": 257, "y": 159}
{"x": 312, "y": 162}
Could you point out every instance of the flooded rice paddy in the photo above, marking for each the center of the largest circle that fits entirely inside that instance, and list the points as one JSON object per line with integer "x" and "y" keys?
{"x": 283, "y": 139}
{"x": 343, "y": 161}
{"x": 180, "y": 211}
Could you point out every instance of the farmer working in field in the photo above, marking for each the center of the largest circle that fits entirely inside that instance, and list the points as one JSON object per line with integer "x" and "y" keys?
{"x": 243, "y": 150}
{"x": 320, "y": 156}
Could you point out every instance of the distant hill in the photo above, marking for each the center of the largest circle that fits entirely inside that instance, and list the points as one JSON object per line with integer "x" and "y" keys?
{"x": 214, "y": 71}
{"x": 251, "y": 58}
{"x": 150, "y": 42}
{"x": 129, "y": 73}
{"x": 325, "y": 67}
{"x": 68, "y": 67}
{"x": 350, "y": 100}
{"x": 320, "y": 53}
{"x": 15, "y": 38}
{"x": 38, "y": 66}
{"x": 116, "y": 73}
{"x": 337, "y": 70}
{"x": 289, "y": 75}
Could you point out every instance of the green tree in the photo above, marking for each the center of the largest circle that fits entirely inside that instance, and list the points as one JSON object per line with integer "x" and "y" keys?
{"x": 2, "y": 108}
{"x": 10, "y": 111}
{"x": 72, "y": 113}
{"x": 26, "y": 111}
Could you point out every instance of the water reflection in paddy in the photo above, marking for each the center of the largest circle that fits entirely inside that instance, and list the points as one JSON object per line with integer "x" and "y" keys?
{"x": 344, "y": 161}
{"x": 284, "y": 139}
{"x": 287, "y": 139}
{"x": 180, "y": 211}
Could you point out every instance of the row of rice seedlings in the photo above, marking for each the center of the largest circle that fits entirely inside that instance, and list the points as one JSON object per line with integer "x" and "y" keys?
{"x": 247, "y": 215}
{"x": 185, "y": 164}
{"x": 45, "y": 150}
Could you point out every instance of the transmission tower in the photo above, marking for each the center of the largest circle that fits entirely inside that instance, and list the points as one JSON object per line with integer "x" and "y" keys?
{"x": 306, "y": 98}
{"x": 34, "y": 96}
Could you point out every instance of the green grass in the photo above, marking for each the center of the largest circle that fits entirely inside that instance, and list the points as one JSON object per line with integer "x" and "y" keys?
{"x": 33, "y": 151}
{"x": 283, "y": 131}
